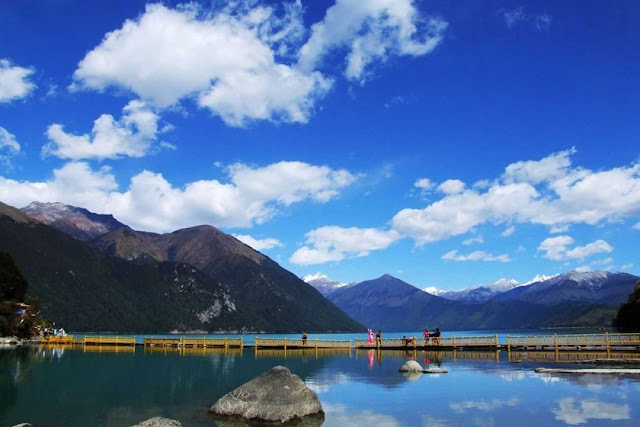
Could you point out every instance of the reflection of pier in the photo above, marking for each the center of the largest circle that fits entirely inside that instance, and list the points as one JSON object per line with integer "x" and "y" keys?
{"x": 288, "y": 343}
{"x": 302, "y": 353}
{"x": 194, "y": 342}
{"x": 569, "y": 357}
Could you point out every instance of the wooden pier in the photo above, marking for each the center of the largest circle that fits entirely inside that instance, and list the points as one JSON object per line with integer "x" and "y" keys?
{"x": 289, "y": 343}
{"x": 606, "y": 342}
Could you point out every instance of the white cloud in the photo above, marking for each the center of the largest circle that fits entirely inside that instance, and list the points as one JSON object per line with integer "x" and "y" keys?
{"x": 626, "y": 267}
{"x": 583, "y": 269}
{"x": 426, "y": 184}
{"x": 535, "y": 172}
{"x": 472, "y": 240}
{"x": 333, "y": 243}
{"x": 475, "y": 256}
{"x": 637, "y": 226}
{"x": 14, "y": 81}
{"x": 542, "y": 22}
{"x": 508, "y": 232}
{"x": 8, "y": 141}
{"x": 9, "y": 146}
{"x": 451, "y": 186}
{"x": 253, "y": 195}
{"x": 548, "y": 192}
{"x": 556, "y": 248}
{"x": 483, "y": 405}
{"x": 227, "y": 60}
{"x": 258, "y": 244}
{"x": 573, "y": 411}
{"x": 131, "y": 136}
{"x": 371, "y": 31}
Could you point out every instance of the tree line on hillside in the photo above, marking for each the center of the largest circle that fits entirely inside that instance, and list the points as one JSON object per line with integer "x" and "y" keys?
{"x": 19, "y": 314}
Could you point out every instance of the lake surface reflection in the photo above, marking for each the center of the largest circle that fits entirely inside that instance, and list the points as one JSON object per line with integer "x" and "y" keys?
{"x": 115, "y": 387}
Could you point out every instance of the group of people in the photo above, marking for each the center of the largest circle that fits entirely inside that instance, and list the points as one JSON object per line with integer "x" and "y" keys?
{"x": 434, "y": 336}
{"x": 378, "y": 337}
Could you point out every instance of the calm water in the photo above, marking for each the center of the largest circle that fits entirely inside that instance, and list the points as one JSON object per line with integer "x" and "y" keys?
{"x": 70, "y": 387}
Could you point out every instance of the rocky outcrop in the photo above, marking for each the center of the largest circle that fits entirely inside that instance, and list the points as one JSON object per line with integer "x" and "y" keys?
{"x": 159, "y": 422}
{"x": 7, "y": 342}
{"x": 275, "y": 396}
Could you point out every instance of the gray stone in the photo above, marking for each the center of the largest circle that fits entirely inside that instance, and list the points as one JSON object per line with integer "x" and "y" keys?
{"x": 275, "y": 396}
{"x": 411, "y": 366}
{"x": 159, "y": 422}
{"x": 23, "y": 425}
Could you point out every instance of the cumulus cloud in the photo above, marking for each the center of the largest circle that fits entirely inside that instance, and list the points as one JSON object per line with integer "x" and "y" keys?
{"x": 258, "y": 244}
{"x": 626, "y": 267}
{"x": 131, "y": 136}
{"x": 371, "y": 31}
{"x": 557, "y": 248}
{"x": 451, "y": 186}
{"x": 332, "y": 243}
{"x": 9, "y": 147}
{"x": 226, "y": 60}
{"x": 251, "y": 196}
{"x": 14, "y": 81}
{"x": 475, "y": 256}
{"x": 548, "y": 192}
{"x": 637, "y": 226}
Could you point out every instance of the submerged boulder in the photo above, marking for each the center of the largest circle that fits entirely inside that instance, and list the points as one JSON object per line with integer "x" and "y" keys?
{"x": 159, "y": 422}
{"x": 275, "y": 396}
{"x": 411, "y": 366}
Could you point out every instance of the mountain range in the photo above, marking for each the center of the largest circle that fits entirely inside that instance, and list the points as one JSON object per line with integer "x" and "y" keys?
{"x": 93, "y": 273}
{"x": 568, "y": 300}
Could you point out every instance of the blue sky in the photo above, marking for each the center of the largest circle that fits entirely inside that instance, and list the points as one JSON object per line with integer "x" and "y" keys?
{"x": 446, "y": 143}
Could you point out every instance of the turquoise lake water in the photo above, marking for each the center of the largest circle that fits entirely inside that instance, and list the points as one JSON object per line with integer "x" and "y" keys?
{"x": 72, "y": 387}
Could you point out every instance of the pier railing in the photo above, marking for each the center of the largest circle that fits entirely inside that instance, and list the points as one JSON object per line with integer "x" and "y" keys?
{"x": 413, "y": 342}
{"x": 555, "y": 341}
{"x": 285, "y": 343}
{"x": 108, "y": 340}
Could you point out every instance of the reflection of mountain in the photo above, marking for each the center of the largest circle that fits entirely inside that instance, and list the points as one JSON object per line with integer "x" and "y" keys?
{"x": 123, "y": 389}
{"x": 573, "y": 411}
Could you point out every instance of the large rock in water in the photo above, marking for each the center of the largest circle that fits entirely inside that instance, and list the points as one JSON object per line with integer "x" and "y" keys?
{"x": 411, "y": 366}
{"x": 275, "y": 396}
{"x": 159, "y": 422}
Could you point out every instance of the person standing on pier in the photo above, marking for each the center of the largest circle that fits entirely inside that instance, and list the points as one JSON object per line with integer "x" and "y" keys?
{"x": 425, "y": 334}
{"x": 370, "y": 339}
{"x": 379, "y": 338}
{"x": 304, "y": 338}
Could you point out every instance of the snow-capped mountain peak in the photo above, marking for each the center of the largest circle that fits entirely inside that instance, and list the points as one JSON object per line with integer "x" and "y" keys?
{"x": 323, "y": 283}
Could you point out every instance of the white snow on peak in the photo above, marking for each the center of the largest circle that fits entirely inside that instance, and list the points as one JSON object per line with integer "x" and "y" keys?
{"x": 539, "y": 278}
{"x": 433, "y": 290}
{"x": 314, "y": 277}
{"x": 503, "y": 285}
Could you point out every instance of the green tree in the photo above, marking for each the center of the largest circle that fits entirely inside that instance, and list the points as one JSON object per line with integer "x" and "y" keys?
{"x": 628, "y": 318}
{"x": 13, "y": 285}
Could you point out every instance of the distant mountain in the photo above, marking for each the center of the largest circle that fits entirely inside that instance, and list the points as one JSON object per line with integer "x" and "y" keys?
{"x": 601, "y": 287}
{"x": 192, "y": 279}
{"x": 77, "y": 222}
{"x": 482, "y": 292}
{"x": 276, "y": 298}
{"x": 324, "y": 284}
{"x": 388, "y": 303}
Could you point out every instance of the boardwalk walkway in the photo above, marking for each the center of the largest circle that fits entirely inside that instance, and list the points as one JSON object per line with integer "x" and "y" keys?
{"x": 629, "y": 342}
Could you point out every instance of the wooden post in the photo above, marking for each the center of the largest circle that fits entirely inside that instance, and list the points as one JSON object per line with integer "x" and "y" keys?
{"x": 508, "y": 343}
{"x": 496, "y": 340}
{"x": 226, "y": 344}
{"x": 555, "y": 341}
{"x": 316, "y": 343}
{"x": 285, "y": 342}
{"x": 454, "y": 341}
{"x": 606, "y": 338}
